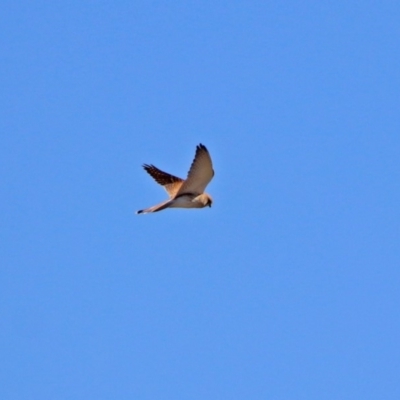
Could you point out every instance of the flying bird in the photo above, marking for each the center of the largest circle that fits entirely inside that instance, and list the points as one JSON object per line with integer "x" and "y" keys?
{"x": 187, "y": 193}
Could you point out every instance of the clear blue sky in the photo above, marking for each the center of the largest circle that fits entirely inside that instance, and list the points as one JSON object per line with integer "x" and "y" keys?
{"x": 287, "y": 288}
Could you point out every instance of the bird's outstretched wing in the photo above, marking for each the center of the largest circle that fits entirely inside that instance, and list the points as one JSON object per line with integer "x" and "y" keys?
{"x": 200, "y": 174}
{"x": 170, "y": 182}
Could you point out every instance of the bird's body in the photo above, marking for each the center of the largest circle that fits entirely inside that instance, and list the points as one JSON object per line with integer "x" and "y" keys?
{"x": 187, "y": 193}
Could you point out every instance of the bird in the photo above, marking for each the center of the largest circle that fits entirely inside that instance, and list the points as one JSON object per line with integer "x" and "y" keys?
{"x": 182, "y": 193}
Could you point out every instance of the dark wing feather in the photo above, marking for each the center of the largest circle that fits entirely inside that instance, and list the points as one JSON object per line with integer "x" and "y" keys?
{"x": 170, "y": 182}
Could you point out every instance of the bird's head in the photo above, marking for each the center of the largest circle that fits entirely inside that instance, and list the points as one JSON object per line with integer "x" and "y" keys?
{"x": 204, "y": 200}
{"x": 209, "y": 200}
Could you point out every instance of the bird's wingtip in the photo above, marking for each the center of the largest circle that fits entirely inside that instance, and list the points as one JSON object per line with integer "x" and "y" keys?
{"x": 201, "y": 146}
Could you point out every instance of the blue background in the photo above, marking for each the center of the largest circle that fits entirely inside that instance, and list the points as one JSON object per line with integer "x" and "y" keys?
{"x": 287, "y": 288}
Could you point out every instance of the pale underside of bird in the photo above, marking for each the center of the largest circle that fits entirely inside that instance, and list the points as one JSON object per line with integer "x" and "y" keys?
{"x": 182, "y": 193}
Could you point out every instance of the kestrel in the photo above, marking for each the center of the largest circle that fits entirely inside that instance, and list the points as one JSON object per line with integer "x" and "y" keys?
{"x": 187, "y": 193}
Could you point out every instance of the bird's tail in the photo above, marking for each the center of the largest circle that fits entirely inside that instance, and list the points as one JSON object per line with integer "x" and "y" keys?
{"x": 155, "y": 208}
